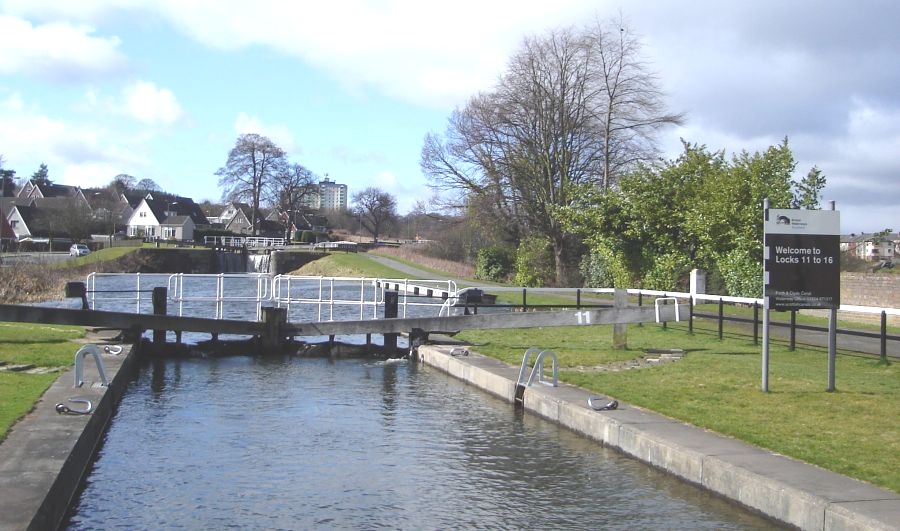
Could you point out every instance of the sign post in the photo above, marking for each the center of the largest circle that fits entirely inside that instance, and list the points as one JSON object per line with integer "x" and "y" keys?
{"x": 801, "y": 255}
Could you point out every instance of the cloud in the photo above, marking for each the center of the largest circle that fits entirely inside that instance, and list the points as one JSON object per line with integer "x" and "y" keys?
{"x": 81, "y": 154}
{"x": 152, "y": 105}
{"x": 427, "y": 53}
{"x": 281, "y": 135}
{"x": 58, "y": 51}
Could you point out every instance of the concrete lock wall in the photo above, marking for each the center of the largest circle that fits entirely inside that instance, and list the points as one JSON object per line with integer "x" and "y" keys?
{"x": 782, "y": 488}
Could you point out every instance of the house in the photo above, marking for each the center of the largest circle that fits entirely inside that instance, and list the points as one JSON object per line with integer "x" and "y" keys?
{"x": 40, "y": 191}
{"x": 166, "y": 216}
{"x": 870, "y": 247}
{"x": 236, "y": 218}
{"x": 111, "y": 209}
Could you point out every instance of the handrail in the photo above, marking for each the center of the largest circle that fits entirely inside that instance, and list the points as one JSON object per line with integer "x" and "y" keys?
{"x": 538, "y": 370}
{"x": 79, "y": 364}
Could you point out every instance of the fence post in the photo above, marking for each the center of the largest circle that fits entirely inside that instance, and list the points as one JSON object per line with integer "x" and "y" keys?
{"x": 578, "y": 299}
{"x": 274, "y": 320}
{"x": 524, "y": 299}
{"x": 160, "y": 298}
{"x": 666, "y": 302}
{"x": 883, "y": 335}
{"x": 755, "y": 323}
{"x": 690, "y": 315}
{"x": 620, "y": 331}
{"x": 721, "y": 310}
{"x": 77, "y": 290}
{"x": 793, "y": 330}
{"x": 391, "y": 304}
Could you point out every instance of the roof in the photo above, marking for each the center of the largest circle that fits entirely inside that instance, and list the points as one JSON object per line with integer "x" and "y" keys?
{"x": 180, "y": 206}
{"x": 176, "y": 221}
{"x": 868, "y": 237}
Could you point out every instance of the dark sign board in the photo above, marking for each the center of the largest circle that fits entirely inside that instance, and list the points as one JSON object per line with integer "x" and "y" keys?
{"x": 802, "y": 259}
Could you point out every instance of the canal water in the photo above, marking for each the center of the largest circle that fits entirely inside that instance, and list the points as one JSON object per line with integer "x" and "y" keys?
{"x": 299, "y": 443}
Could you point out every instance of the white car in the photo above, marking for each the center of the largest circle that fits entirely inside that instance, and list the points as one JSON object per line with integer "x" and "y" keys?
{"x": 79, "y": 249}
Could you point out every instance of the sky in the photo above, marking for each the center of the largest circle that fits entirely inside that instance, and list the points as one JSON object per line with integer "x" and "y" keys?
{"x": 161, "y": 89}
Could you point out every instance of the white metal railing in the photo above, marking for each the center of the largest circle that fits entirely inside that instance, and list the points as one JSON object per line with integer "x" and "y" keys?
{"x": 241, "y": 241}
{"x": 324, "y": 296}
{"x": 129, "y": 288}
{"x": 414, "y": 293}
{"x": 329, "y": 294}
{"x": 220, "y": 290}
{"x": 292, "y": 290}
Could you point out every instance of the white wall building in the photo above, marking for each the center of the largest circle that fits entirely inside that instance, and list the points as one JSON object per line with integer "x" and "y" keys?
{"x": 330, "y": 196}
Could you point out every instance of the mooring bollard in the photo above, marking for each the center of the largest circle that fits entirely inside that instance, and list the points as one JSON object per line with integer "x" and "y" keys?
{"x": 160, "y": 298}
{"x": 391, "y": 304}
{"x": 274, "y": 320}
{"x": 76, "y": 290}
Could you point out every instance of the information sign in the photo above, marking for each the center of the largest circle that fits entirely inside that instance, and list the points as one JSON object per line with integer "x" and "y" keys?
{"x": 802, "y": 259}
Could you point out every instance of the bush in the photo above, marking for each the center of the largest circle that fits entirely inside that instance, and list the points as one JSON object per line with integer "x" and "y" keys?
{"x": 535, "y": 266}
{"x": 595, "y": 269}
{"x": 307, "y": 236}
{"x": 494, "y": 264}
{"x": 667, "y": 271}
{"x": 741, "y": 273}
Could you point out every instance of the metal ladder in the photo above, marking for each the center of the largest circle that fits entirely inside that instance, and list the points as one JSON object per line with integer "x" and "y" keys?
{"x": 537, "y": 372}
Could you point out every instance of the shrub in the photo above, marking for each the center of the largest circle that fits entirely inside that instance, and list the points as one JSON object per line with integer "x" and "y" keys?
{"x": 535, "y": 266}
{"x": 741, "y": 273}
{"x": 493, "y": 263}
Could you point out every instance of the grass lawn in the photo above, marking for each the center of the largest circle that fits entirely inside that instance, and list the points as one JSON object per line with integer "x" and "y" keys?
{"x": 39, "y": 345}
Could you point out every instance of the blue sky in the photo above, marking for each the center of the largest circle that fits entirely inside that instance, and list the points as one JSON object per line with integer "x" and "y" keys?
{"x": 161, "y": 89}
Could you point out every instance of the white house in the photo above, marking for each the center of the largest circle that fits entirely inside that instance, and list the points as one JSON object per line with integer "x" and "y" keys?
{"x": 166, "y": 217}
{"x": 869, "y": 247}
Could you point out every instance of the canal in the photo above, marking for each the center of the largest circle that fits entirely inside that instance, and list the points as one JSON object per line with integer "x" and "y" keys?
{"x": 293, "y": 443}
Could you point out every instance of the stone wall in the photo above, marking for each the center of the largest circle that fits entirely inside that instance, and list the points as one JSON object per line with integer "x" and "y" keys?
{"x": 870, "y": 289}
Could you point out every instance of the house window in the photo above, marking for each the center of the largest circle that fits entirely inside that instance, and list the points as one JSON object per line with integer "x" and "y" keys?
{"x": 142, "y": 215}
{"x": 14, "y": 223}
{"x": 169, "y": 232}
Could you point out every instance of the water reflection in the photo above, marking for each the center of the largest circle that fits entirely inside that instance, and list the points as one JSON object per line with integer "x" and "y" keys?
{"x": 296, "y": 443}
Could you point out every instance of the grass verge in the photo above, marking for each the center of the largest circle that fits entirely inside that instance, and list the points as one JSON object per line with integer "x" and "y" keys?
{"x": 45, "y": 346}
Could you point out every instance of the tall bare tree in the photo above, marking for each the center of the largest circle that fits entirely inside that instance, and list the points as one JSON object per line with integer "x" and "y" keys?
{"x": 375, "y": 210}
{"x": 252, "y": 162}
{"x": 290, "y": 185}
{"x": 631, "y": 109}
{"x": 568, "y": 111}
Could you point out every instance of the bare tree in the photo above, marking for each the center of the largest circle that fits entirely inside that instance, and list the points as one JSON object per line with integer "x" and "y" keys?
{"x": 573, "y": 108}
{"x": 375, "y": 210}
{"x": 252, "y": 162}
{"x": 632, "y": 108}
{"x": 124, "y": 182}
{"x": 147, "y": 185}
{"x": 288, "y": 189}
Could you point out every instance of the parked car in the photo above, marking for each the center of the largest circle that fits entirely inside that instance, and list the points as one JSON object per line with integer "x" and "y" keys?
{"x": 79, "y": 249}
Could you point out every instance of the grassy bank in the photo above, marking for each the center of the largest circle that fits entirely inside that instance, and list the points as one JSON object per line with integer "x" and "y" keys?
{"x": 45, "y": 347}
